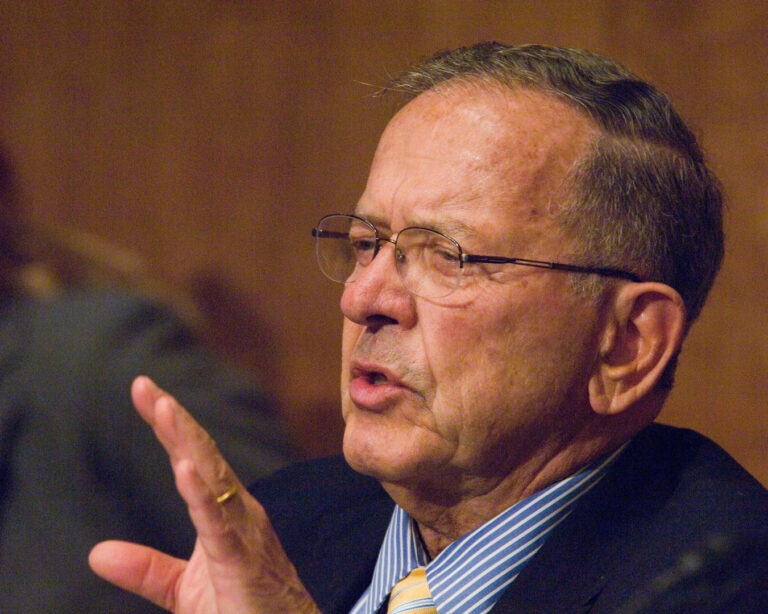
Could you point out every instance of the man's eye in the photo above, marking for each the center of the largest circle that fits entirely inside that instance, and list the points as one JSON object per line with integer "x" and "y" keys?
{"x": 443, "y": 261}
{"x": 445, "y": 254}
{"x": 363, "y": 245}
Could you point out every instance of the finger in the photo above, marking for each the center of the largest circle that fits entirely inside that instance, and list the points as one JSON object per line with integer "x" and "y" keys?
{"x": 138, "y": 569}
{"x": 144, "y": 393}
{"x": 219, "y": 522}
{"x": 180, "y": 434}
{"x": 244, "y": 558}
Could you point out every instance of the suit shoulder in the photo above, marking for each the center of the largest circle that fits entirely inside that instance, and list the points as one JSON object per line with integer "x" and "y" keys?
{"x": 324, "y": 485}
{"x": 696, "y": 464}
{"x": 331, "y": 521}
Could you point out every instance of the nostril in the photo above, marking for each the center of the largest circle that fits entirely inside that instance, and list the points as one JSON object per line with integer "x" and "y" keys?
{"x": 377, "y": 321}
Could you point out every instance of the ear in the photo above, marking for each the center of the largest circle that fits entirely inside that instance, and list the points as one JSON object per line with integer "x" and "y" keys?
{"x": 644, "y": 329}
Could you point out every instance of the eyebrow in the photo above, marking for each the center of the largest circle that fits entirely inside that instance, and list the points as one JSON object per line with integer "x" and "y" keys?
{"x": 376, "y": 220}
{"x": 452, "y": 227}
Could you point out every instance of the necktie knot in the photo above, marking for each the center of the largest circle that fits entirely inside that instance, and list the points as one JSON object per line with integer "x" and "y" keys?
{"x": 412, "y": 595}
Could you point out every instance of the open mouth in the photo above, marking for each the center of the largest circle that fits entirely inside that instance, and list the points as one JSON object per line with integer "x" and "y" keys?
{"x": 377, "y": 379}
{"x": 374, "y": 388}
{"x": 372, "y": 376}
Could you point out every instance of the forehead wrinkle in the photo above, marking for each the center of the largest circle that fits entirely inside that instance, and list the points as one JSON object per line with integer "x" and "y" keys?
{"x": 451, "y": 226}
{"x": 533, "y": 186}
{"x": 510, "y": 164}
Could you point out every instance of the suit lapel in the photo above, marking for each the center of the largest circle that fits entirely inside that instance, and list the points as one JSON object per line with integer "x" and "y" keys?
{"x": 559, "y": 578}
{"x": 570, "y": 571}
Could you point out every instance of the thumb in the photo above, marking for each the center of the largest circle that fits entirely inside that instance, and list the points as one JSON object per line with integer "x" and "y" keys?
{"x": 138, "y": 569}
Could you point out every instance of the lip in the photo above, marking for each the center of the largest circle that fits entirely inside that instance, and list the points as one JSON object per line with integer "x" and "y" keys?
{"x": 375, "y": 397}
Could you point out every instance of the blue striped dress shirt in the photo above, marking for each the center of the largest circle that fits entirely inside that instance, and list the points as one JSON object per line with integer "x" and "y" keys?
{"x": 469, "y": 576}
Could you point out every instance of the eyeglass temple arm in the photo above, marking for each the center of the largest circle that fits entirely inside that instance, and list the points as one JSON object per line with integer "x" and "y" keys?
{"x": 329, "y": 234}
{"x": 609, "y": 272}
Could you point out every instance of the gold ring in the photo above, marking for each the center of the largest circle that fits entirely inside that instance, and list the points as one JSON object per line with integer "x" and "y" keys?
{"x": 226, "y": 496}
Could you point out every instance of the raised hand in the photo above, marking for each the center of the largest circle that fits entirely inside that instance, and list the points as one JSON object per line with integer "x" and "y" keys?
{"x": 238, "y": 565}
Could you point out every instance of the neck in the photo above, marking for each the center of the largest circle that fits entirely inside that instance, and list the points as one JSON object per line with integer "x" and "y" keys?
{"x": 445, "y": 514}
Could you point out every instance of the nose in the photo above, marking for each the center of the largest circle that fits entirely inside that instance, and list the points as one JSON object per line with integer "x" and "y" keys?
{"x": 377, "y": 296}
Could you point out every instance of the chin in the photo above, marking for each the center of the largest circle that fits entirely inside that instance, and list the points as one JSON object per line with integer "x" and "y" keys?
{"x": 373, "y": 449}
{"x": 394, "y": 459}
{"x": 360, "y": 452}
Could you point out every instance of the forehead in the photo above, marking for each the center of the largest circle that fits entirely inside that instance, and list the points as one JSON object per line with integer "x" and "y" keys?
{"x": 473, "y": 158}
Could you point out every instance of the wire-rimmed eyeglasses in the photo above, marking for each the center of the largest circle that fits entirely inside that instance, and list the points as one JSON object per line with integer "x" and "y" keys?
{"x": 430, "y": 263}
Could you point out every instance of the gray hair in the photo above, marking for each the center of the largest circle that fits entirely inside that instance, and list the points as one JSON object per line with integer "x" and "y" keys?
{"x": 642, "y": 197}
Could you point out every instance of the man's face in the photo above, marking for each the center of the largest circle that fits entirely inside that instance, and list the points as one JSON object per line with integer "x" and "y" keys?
{"x": 456, "y": 394}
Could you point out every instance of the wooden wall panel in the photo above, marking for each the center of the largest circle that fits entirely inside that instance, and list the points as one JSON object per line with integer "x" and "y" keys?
{"x": 209, "y": 136}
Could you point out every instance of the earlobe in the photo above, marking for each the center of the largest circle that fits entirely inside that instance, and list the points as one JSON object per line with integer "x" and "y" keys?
{"x": 643, "y": 333}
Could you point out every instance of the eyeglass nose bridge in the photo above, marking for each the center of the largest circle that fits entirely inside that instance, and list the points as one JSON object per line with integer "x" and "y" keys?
{"x": 397, "y": 257}
{"x": 379, "y": 240}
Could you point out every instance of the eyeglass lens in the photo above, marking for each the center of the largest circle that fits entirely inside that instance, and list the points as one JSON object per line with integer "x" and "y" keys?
{"x": 428, "y": 262}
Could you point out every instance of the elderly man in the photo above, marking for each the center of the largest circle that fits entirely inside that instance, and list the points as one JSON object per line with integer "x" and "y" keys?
{"x": 537, "y": 233}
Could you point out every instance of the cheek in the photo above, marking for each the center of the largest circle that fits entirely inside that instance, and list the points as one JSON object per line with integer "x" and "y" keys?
{"x": 466, "y": 355}
{"x": 491, "y": 362}
{"x": 474, "y": 380}
{"x": 472, "y": 340}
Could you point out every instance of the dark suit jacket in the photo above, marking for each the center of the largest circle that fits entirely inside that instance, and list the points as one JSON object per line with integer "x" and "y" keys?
{"x": 77, "y": 463}
{"x": 669, "y": 490}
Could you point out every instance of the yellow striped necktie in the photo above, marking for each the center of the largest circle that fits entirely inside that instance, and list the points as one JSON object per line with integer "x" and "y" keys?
{"x": 412, "y": 595}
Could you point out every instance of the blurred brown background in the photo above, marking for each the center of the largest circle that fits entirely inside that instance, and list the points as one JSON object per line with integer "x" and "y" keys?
{"x": 190, "y": 146}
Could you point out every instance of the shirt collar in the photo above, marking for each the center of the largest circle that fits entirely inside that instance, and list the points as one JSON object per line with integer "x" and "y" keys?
{"x": 472, "y": 572}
